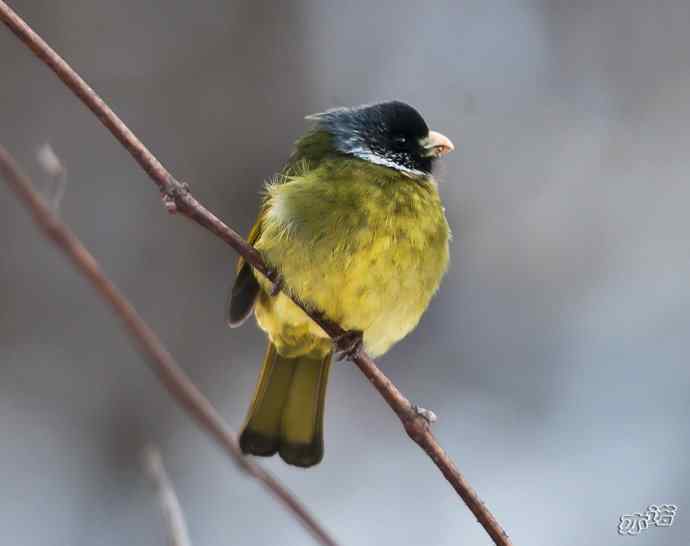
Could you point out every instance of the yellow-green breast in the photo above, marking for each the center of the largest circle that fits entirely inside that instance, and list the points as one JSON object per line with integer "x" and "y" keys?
{"x": 365, "y": 244}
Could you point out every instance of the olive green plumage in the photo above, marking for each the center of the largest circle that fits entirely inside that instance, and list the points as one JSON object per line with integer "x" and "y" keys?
{"x": 364, "y": 243}
{"x": 286, "y": 415}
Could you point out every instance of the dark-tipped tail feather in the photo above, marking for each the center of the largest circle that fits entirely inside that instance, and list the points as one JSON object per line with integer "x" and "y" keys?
{"x": 286, "y": 414}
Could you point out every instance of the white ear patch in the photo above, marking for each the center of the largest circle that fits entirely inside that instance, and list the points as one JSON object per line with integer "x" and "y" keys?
{"x": 371, "y": 157}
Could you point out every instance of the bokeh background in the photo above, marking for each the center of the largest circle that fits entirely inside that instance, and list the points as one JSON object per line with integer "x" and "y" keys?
{"x": 556, "y": 353}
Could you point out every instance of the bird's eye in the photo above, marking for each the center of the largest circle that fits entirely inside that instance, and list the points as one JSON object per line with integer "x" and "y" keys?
{"x": 400, "y": 139}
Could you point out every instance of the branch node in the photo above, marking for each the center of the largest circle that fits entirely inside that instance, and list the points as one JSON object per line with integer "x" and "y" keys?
{"x": 173, "y": 193}
{"x": 426, "y": 414}
{"x": 417, "y": 422}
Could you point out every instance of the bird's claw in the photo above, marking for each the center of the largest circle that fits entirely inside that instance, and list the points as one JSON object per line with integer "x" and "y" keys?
{"x": 277, "y": 280}
{"x": 277, "y": 286}
{"x": 349, "y": 344}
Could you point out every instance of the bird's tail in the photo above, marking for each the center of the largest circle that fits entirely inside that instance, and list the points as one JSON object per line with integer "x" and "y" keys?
{"x": 286, "y": 414}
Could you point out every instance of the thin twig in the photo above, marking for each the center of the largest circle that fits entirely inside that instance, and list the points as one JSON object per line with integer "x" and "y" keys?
{"x": 176, "y": 197}
{"x": 161, "y": 361}
{"x": 56, "y": 170}
{"x": 178, "y": 535}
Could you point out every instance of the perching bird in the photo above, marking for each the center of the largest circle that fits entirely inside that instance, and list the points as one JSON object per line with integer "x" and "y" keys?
{"x": 353, "y": 226}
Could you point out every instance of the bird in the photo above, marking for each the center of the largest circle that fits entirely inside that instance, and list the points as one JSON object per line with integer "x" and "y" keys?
{"x": 353, "y": 226}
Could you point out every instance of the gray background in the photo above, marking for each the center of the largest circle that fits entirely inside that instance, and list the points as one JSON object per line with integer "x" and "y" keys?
{"x": 555, "y": 354}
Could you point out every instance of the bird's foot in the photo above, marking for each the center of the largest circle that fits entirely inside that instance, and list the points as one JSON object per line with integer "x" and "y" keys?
{"x": 428, "y": 415}
{"x": 349, "y": 344}
{"x": 277, "y": 279}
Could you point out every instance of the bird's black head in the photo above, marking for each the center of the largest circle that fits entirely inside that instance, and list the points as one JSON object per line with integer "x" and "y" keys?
{"x": 392, "y": 134}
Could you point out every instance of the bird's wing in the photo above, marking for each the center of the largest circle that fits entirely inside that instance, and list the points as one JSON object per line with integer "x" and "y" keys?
{"x": 242, "y": 296}
{"x": 240, "y": 302}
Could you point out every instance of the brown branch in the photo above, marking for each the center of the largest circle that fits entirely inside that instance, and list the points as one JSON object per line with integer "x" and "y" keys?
{"x": 161, "y": 361}
{"x": 170, "y": 504}
{"x": 176, "y": 197}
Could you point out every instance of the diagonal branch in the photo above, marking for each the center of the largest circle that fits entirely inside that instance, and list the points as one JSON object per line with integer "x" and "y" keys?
{"x": 161, "y": 361}
{"x": 177, "y": 198}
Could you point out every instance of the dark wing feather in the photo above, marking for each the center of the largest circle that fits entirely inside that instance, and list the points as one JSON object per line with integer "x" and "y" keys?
{"x": 242, "y": 296}
{"x": 311, "y": 149}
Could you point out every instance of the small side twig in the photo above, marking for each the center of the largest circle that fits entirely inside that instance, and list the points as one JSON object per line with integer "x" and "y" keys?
{"x": 58, "y": 173}
{"x": 161, "y": 361}
{"x": 178, "y": 535}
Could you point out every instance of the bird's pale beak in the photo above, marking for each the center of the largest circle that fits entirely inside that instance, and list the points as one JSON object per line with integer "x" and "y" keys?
{"x": 437, "y": 144}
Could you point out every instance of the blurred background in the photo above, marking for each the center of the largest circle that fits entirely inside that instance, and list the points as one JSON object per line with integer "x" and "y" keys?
{"x": 556, "y": 353}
